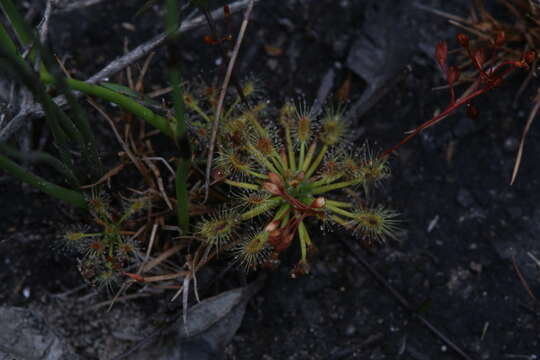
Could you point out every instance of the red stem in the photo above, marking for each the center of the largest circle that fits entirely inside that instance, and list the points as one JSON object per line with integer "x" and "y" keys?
{"x": 491, "y": 82}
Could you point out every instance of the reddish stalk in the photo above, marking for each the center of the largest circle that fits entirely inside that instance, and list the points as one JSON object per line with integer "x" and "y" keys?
{"x": 487, "y": 79}
{"x": 281, "y": 238}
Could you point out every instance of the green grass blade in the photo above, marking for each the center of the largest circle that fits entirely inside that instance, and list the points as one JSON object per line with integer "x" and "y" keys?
{"x": 39, "y": 156}
{"x": 23, "y": 31}
{"x": 123, "y": 101}
{"x": 181, "y": 136}
{"x": 77, "y": 124}
{"x": 13, "y": 64}
{"x": 6, "y": 41}
{"x": 70, "y": 196}
{"x": 77, "y": 127}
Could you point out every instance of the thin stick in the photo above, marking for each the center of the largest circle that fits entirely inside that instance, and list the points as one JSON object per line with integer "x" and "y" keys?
{"x": 219, "y": 109}
{"x": 44, "y": 25}
{"x": 122, "y": 299}
{"x": 470, "y": 29}
{"x": 144, "y": 70}
{"x": 441, "y": 13}
{"x": 159, "y": 179}
{"x": 522, "y": 279}
{"x": 143, "y": 49}
{"x": 158, "y": 158}
{"x": 33, "y": 110}
{"x": 134, "y": 160}
{"x": 129, "y": 73}
{"x": 532, "y": 115}
{"x": 402, "y": 300}
{"x": 525, "y": 83}
{"x": 73, "y": 5}
{"x": 160, "y": 92}
{"x": 534, "y": 258}
{"x": 150, "y": 246}
{"x": 213, "y": 29}
{"x": 164, "y": 277}
{"x": 162, "y": 257}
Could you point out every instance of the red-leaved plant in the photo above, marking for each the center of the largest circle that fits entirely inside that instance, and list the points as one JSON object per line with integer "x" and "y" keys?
{"x": 491, "y": 71}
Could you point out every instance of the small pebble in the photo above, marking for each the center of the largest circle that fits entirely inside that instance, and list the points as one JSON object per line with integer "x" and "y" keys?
{"x": 350, "y": 330}
{"x": 464, "y": 198}
{"x": 511, "y": 144}
{"x": 477, "y": 268}
{"x": 26, "y": 292}
{"x": 272, "y": 64}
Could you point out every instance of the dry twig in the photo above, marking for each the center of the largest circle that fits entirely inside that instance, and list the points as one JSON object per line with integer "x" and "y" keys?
{"x": 230, "y": 67}
{"x": 31, "y": 110}
{"x": 44, "y": 25}
{"x": 522, "y": 279}
{"x": 530, "y": 119}
{"x": 378, "y": 277}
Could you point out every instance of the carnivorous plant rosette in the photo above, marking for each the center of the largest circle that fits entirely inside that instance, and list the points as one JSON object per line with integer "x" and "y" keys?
{"x": 106, "y": 254}
{"x": 286, "y": 172}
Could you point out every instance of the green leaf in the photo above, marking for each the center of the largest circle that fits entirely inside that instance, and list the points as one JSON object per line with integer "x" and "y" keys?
{"x": 24, "y": 32}
{"x": 124, "y": 90}
{"x": 172, "y": 22}
{"x": 74, "y": 198}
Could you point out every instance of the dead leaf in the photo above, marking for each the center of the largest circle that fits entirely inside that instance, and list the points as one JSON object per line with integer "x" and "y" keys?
{"x": 211, "y": 325}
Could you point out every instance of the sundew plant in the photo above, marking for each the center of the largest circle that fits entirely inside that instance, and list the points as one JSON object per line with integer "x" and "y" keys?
{"x": 285, "y": 172}
{"x": 106, "y": 253}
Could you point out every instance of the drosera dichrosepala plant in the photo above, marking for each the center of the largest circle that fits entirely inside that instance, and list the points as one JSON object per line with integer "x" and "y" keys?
{"x": 106, "y": 254}
{"x": 285, "y": 173}
{"x": 491, "y": 68}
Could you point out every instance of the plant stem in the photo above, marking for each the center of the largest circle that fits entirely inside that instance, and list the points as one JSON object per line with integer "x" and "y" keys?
{"x": 242, "y": 185}
{"x": 256, "y": 174}
{"x": 339, "y": 210}
{"x": 339, "y": 203}
{"x": 335, "y": 186}
{"x": 454, "y": 106}
{"x": 304, "y": 241}
{"x": 199, "y": 111}
{"x": 317, "y": 161}
{"x": 309, "y": 156}
{"x": 38, "y": 156}
{"x": 22, "y": 30}
{"x": 124, "y": 102}
{"x": 256, "y": 211}
{"x": 261, "y": 159}
{"x": 290, "y": 149}
{"x": 327, "y": 179}
{"x": 302, "y": 154}
{"x": 340, "y": 221}
{"x": 232, "y": 107}
{"x": 172, "y": 22}
{"x": 282, "y": 164}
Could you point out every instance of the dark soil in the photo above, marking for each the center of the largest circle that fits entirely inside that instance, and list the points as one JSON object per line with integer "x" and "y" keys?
{"x": 464, "y": 224}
